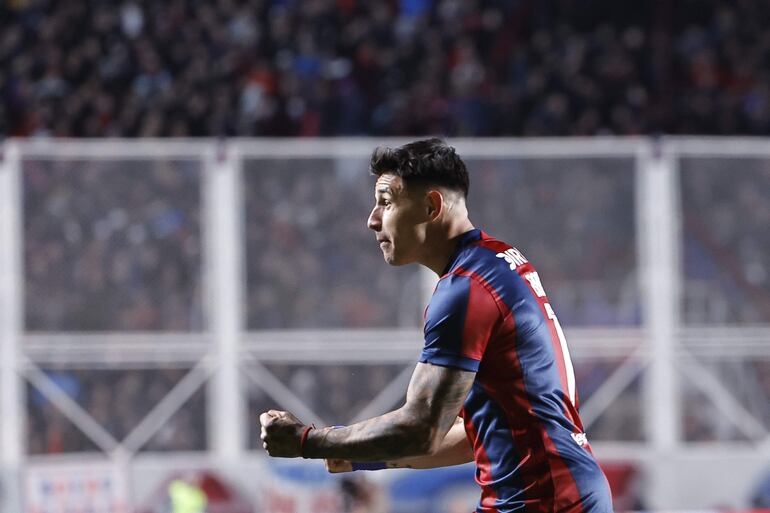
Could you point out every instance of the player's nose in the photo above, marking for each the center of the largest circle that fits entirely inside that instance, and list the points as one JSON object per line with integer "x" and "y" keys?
{"x": 375, "y": 221}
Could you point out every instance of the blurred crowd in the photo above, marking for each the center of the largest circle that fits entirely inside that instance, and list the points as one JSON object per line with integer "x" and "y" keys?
{"x": 747, "y": 381}
{"x": 574, "y": 220}
{"x": 342, "y": 67}
{"x": 726, "y": 240}
{"x": 726, "y": 282}
{"x": 112, "y": 245}
{"x": 337, "y": 393}
{"x": 50, "y": 432}
{"x": 317, "y": 265}
{"x": 311, "y": 260}
{"x": 116, "y": 245}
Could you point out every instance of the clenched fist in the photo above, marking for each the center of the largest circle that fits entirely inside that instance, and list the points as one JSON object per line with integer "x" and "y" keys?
{"x": 281, "y": 434}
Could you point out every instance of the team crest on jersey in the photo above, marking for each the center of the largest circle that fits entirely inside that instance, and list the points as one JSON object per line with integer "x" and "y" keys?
{"x": 513, "y": 256}
{"x": 580, "y": 438}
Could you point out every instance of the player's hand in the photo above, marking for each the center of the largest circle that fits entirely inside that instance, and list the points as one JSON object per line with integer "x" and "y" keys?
{"x": 334, "y": 466}
{"x": 281, "y": 434}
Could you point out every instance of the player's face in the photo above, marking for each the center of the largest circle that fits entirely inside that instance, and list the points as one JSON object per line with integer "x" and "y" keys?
{"x": 398, "y": 220}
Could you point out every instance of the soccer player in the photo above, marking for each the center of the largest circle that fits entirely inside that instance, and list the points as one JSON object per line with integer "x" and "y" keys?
{"x": 494, "y": 382}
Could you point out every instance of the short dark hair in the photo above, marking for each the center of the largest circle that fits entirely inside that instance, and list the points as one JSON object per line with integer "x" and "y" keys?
{"x": 428, "y": 161}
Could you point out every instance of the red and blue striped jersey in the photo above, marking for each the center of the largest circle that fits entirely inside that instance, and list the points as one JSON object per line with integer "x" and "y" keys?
{"x": 489, "y": 314}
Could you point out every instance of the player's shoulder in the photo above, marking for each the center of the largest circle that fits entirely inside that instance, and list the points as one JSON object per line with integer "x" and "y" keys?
{"x": 488, "y": 254}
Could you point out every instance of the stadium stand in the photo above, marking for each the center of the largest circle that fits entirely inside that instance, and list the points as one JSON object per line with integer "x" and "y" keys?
{"x": 479, "y": 68}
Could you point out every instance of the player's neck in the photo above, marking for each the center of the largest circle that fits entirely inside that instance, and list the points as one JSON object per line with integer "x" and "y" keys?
{"x": 442, "y": 244}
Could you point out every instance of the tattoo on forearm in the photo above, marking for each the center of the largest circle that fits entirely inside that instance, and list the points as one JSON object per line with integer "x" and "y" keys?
{"x": 434, "y": 398}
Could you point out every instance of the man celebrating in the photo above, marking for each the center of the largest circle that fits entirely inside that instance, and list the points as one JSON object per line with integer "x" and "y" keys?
{"x": 494, "y": 382}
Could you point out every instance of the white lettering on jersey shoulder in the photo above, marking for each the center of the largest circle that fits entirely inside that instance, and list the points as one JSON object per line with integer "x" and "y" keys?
{"x": 534, "y": 281}
{"x": 580, "y": 438}
{"x": 514, "y": 257}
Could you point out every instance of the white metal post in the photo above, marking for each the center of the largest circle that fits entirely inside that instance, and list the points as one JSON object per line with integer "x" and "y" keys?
{"x": 660, "y": 274}
{"x": 225, "y": 283}
{"x": 11, "y": 314}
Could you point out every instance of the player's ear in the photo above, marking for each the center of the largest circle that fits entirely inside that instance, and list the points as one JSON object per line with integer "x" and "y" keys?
{"x": 434, "y": 203}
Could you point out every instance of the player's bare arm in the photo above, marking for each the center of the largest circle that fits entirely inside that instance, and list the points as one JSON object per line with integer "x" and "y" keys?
{"x": 434, "y": 398}
{"x": 454, "y": 450}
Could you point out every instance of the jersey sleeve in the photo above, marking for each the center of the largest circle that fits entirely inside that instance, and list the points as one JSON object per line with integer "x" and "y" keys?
{"x": 459, "y": 322}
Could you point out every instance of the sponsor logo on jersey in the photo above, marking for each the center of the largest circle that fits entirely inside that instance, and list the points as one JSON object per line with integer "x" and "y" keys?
{"x": 580, "y": 438}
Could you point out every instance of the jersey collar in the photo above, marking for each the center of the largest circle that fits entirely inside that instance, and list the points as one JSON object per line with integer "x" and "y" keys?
{"x": 464, "y": 240}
